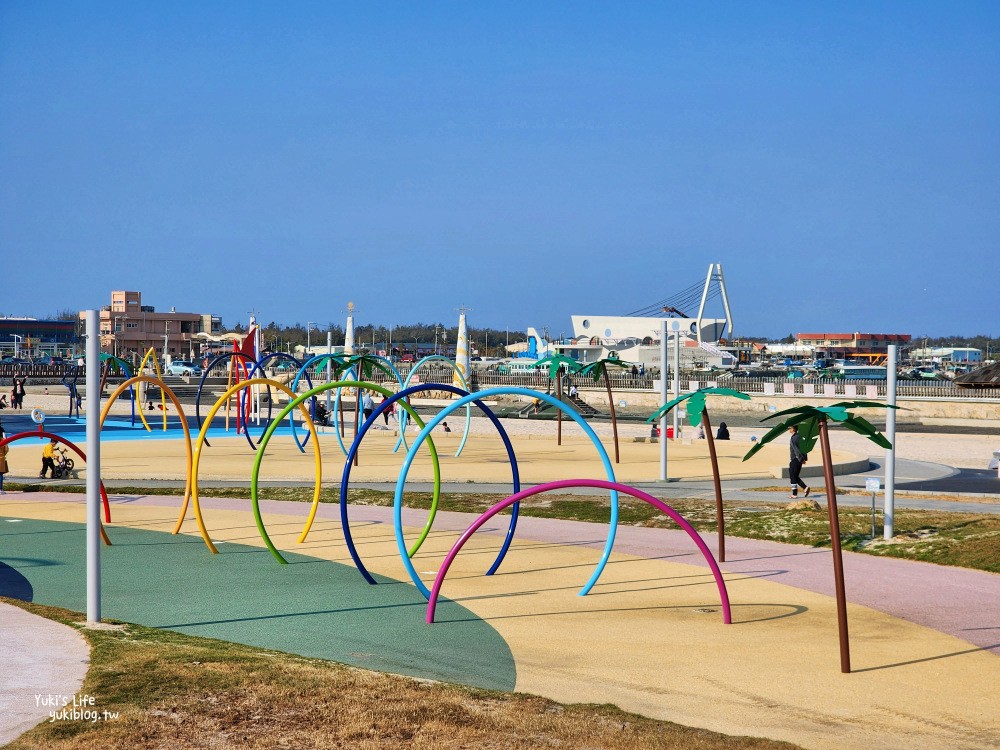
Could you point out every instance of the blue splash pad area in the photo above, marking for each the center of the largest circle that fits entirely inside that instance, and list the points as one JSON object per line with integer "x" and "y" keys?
{"x": 311, "y": 607}
{"x": 121, "y": 428}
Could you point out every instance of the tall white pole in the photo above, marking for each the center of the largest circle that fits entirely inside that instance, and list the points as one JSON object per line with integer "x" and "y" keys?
{"x": 890, "y": 453}
{"x": 677, "y": 378}
{"x": 93, "y": 385}
{"x": 663, "y": 399}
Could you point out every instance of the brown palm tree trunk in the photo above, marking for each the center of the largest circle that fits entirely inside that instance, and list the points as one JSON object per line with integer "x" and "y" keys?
{"x": 611, "y": 403}
{"x": 720, "y": 521}
{"x": 838, "y": 561}
{"x": 559, "y": 411}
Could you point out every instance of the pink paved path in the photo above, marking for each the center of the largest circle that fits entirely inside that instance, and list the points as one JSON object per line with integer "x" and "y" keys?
{"x": 958, "y": 601}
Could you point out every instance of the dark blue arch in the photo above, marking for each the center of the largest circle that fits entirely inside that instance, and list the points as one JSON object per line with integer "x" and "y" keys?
{"x": 385, "y": 404}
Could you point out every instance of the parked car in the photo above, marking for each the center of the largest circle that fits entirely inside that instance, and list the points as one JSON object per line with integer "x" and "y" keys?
{"x": 47, "y": 360}
{"x": 14, "y": 361}
{"x": 183, "y": 367}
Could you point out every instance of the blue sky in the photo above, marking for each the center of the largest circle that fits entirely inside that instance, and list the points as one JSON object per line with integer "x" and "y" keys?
{"x": 527, "y": 160}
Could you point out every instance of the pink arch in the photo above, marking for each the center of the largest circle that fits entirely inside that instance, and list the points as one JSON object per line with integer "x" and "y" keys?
{"x": 603, "y": 484}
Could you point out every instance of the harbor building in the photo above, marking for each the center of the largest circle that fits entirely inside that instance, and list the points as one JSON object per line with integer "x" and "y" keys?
{"x": 129, "y": 329}
{"x": 869, "y": 347}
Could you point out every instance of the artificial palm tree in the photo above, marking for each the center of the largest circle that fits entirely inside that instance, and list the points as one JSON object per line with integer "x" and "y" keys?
{"x": 556, "y": 363}
{"x": 812, "y": 424}
{"x": 598, "y": 370}
{"x": 698, "y": 412}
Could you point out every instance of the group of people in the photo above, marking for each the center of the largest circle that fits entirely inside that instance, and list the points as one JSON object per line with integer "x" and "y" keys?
{"x": 721, "y": 434}
{"x": 16, "y": 395}
{"x": 322, "y": 414}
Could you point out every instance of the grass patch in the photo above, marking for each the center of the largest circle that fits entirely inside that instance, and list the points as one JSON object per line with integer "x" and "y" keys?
{"x": 173, "y": 690}
{"x": 965, "y": 540}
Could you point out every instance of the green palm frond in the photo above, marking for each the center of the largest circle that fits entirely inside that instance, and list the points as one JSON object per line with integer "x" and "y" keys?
{"x": 778, "y": 430}
{"x": 865, "y": 405}
{"x": 862, "y": 426}
{"x": 364, "y": 365}
{"x": 597, "y": 369}
{"x": 808, "y": 417}
{"x": 697, "y": 403}
{"x": 556, "y": 361}
{"x": 808, "y": 434}
{"x": 668, "y": 406}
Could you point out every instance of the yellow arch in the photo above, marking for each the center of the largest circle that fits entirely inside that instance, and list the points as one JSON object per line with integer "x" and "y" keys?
{"x": 224, "y": 398}
{"x": 163, "y": 399}
{"x": 164, "y": 388}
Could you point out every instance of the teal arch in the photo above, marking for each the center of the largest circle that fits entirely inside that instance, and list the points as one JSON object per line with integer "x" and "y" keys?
{"x": 480, "y": 395}
{"x": 468, "y": 407}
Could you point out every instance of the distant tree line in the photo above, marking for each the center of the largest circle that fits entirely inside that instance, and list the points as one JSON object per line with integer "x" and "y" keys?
{"x": 286, "y": 337}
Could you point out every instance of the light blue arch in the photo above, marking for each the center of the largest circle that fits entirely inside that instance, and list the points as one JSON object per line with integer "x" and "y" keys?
{"x": 316, "y": 360}
{"x": 259, "y": 365}
{"x": 353, "y": 373}
{"x": 401, "y": 440}
{"x": 480, "y": 395}
{"x": 346, "y": 478}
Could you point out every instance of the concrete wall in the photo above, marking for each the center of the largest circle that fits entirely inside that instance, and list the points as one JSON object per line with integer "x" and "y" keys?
{"x": 920, "y": 410}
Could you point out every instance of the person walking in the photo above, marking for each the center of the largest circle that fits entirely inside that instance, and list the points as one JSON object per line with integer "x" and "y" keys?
{"x": 48, "y": 453}
{"x": 4, "y": 468}
{"x": 367, "y": 405}
{"x": 796, "y": 459}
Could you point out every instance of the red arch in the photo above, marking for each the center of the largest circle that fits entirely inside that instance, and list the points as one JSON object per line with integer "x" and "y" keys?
{"x": 72, "y": 446}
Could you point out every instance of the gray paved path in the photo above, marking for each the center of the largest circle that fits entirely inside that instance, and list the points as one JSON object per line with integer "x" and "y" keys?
{"x": 40, "y": 658}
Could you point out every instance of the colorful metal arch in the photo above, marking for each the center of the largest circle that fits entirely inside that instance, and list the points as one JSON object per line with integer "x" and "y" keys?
{"x": 73, "y": 370}
{"x": 468, "y": 407}
{"x": 351, "y": 369}
{"x": 163, "y": 398}
{"x": 503, "y": 390}
{"x": 202, "y": 441}
{"x": 727, "y": 616}
{"x": 201, "y": 384}
{"x": 345, "y": 480}
{"x": 40, "y": 433}
{"x": 315, "y": 361}
{"x": 259, "y": 365}
{"x": 184, "y": 426}
{"x": 298, "y": 401}
{"x": 108, "y": 361}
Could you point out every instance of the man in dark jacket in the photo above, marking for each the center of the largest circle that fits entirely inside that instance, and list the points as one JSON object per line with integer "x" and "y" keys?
{"x": 796, "y": 459}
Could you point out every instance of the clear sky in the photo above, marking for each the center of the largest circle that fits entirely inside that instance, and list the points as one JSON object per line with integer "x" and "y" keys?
{"x": 527, "y": 160}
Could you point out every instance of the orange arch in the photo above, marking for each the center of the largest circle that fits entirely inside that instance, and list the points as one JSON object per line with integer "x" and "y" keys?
{"x": 164, "y": 389}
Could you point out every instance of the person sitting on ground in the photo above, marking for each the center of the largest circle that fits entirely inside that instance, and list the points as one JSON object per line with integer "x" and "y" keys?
{"x": 723, "y": 433}
{"x": 321, "y": 413}
{"x": 47, "y": 463}
{"x": 3, "y": 401}
{"x": 573, "y": 392}
{"x": 699, "y": 434}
